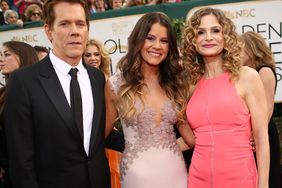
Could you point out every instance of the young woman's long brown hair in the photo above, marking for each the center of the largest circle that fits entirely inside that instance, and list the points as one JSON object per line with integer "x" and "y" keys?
{"x": 170, "y": 77}
{"x": 27, "y": 55}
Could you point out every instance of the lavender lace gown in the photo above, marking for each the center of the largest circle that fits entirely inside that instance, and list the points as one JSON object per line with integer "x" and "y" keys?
{"x": 151, "y": 158}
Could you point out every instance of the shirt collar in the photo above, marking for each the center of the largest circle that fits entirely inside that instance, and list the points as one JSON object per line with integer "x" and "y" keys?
{"x": 63, "y": 66}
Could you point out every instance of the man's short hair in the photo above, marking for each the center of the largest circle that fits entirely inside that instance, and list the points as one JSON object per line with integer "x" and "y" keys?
{"x": 48, "y": 10}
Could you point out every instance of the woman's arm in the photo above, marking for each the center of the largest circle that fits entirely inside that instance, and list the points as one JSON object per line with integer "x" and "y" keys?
{"x": 111, "y": 111}
{"x": 187, "y": 139}
{"x": 268, "y": 80}
{"x": 255, "y": 99}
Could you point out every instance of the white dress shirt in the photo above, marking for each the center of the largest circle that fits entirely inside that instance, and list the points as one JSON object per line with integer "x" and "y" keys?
{"x": 62, "y": 70}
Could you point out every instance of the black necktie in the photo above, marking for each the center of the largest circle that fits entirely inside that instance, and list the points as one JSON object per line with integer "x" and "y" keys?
{"x": 76, "y": 101}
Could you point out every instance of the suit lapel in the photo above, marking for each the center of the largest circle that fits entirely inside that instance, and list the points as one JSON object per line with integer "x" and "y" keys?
{"x": 97, "y": 107}
{"x": 54, "y": 90}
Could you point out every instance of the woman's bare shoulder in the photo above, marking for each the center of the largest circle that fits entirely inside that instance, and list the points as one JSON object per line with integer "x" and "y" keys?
{"x": 248, "y": 74}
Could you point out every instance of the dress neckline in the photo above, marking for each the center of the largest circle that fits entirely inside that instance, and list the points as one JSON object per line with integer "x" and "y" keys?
{"x": 216, "y": 77}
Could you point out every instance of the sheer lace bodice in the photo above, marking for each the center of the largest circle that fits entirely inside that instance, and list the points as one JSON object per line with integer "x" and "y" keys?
{"x": 142, "y": 133}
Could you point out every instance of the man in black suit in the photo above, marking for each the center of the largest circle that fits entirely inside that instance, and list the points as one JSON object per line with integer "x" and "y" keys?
{"x": 45, "y": 147}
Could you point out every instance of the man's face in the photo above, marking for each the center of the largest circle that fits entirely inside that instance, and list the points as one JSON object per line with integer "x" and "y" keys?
{"x": 4, "y": 6}
{"x": 69, "y": 33}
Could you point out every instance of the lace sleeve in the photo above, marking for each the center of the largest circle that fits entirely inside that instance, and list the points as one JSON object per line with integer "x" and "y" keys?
{"x": 116, "y": 81}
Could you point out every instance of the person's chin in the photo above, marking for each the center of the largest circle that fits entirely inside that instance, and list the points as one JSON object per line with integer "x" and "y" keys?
{"x": 76, "y": 53}
{"x": 5, "y": 72}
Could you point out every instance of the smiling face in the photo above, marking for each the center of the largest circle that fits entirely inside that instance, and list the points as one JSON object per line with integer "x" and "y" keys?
{"x": 92, "y": 56}
{"x": 69, "y": 33}
{"x": 9, "y": 61}
{"x": 156, "y": 46}
{"x": 209, "y": 39}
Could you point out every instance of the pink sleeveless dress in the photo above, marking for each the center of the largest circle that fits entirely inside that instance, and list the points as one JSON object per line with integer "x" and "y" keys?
{"x": 222, "y": 156}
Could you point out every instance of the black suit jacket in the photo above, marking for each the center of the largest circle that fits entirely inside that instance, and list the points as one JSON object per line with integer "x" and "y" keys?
{"x": 44, "y": 146}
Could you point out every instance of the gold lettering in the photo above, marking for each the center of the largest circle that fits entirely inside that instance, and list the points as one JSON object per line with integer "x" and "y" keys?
{"x": 244, "y": 13}
{"x": 26, "y": 38}
{"x": 252, "y": 12}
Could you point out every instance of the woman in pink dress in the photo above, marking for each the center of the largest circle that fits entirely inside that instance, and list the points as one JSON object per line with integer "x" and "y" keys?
{"x": 227, "y": 103}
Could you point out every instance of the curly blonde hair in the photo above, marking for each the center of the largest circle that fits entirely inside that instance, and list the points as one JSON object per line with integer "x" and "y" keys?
{"x": 257, "y": 49}
{"x": 105, "y": 57}
{"x": 170, "y": 77}
{"x": 231, "y": 54}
